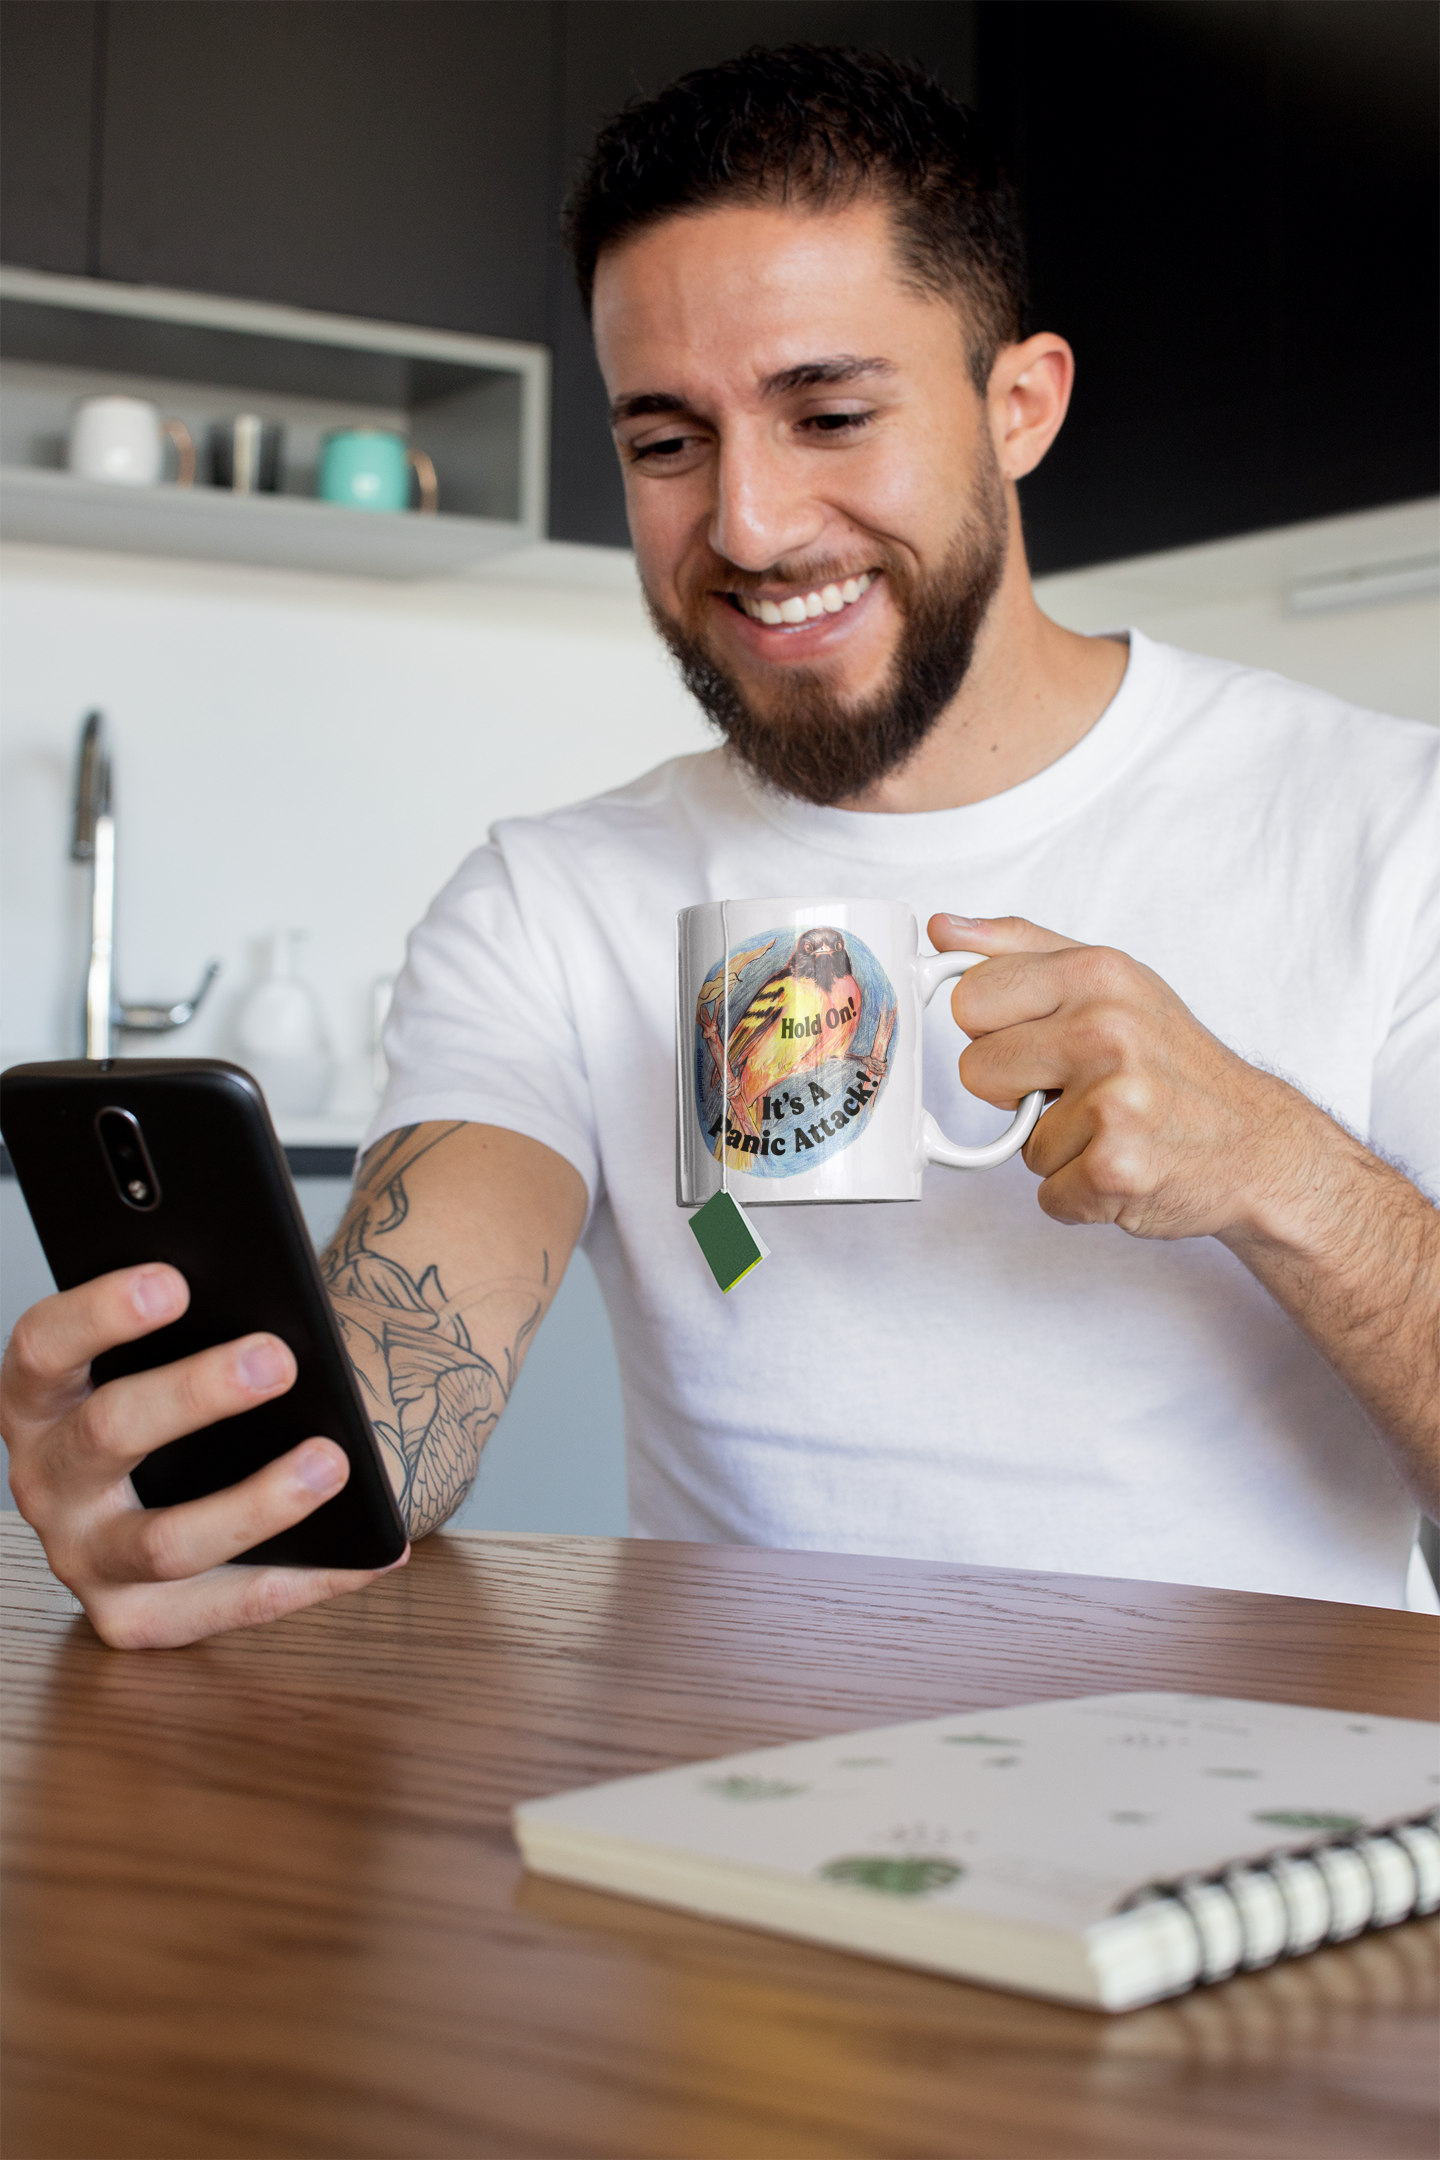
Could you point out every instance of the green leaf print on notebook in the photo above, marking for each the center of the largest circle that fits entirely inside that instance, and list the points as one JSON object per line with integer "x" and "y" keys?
{"x": 913, "y": 1875}
{"x": 751, "y": 1788}
{"x": 1305, "y": 1819}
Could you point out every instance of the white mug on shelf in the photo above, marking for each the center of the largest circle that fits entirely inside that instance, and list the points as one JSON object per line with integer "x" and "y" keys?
{"x": 810, "y": 1010}
{"x": 122, "y": 440}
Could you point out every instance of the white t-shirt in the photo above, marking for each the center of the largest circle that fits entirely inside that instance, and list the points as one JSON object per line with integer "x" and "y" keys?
{"x": 964, "y": 1379}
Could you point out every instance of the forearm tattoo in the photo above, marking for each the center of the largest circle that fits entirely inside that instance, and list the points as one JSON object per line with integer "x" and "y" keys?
{"x": 433, "y": 1394}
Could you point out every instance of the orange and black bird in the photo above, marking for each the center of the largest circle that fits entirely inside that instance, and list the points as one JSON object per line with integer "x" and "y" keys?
{"x": 801, "y": 1016}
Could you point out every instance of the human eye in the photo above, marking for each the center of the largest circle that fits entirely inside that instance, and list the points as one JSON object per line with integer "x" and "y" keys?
{"x": 673, "y": 451}
{"x": 833, "y": 425}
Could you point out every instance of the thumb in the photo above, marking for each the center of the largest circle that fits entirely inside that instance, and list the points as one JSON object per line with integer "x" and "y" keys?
{"x": 996, "y": 934}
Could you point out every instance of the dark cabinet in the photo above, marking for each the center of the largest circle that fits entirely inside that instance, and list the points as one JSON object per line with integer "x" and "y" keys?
{"x": 1231, "y": 205}
{"x": 48, "y": 87}
{"x": 1355, "y": 143}
{"x": 1232, "y": 216}
{"x": 376, "y": 159}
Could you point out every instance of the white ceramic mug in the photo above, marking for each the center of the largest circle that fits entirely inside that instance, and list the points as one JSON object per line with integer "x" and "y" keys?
{"x": 816, "y": 1015}
{"x": 122, "y": 440}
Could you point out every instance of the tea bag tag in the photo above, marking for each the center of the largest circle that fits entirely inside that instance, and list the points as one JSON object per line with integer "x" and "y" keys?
{"x": 723, "y": 1231}
{"x": 729, "y": 1241}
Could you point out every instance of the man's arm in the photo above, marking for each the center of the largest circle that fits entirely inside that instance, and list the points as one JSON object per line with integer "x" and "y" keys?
{"x": 439, "y": 1293}
{"x": 1352, "y": 1253}
{"x": 1163, "y": 1131}
{"x": 452, "y": 1250}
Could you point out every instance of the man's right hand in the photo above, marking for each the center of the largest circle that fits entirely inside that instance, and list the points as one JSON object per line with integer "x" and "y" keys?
{"x": 152, "y": 1578}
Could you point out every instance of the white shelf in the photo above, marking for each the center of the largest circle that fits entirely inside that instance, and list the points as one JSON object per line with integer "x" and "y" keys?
{"x": 284, "y": 531}
{"x": 479, "y": 406}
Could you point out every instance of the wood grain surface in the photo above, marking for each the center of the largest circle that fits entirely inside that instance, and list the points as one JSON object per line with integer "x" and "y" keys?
{"x": 262, "y": 1897}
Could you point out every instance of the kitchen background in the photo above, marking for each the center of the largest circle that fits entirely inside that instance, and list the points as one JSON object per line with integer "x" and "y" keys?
{"x": 1231, "y": 208}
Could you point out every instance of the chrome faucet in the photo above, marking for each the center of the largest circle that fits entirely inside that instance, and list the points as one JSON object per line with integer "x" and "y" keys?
{"x": 94, "y": 843}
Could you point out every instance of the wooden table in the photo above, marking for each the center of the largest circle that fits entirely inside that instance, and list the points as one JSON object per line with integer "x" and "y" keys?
{"x": 263, "y": 1900}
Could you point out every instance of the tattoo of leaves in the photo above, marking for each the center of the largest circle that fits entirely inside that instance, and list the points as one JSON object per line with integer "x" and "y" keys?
{"x": 446, "y": 1396}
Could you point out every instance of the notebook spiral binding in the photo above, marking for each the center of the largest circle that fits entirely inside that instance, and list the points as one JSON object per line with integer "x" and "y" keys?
{"x": 1285, "y": 1903}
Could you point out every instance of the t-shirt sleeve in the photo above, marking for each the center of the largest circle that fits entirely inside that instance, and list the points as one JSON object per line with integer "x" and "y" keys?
{"x": 1405, "y": 1103}
{"x": 481, "y": 1027}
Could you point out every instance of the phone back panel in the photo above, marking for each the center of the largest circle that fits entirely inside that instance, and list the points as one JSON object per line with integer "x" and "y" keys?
{"x": 228, "y": 1219}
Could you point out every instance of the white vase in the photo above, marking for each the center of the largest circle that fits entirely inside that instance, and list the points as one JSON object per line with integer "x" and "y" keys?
{"x": 281, "y": 1036}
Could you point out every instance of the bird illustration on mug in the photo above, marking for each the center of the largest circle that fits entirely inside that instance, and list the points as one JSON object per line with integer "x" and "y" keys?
{"x": 804, "y": 1014}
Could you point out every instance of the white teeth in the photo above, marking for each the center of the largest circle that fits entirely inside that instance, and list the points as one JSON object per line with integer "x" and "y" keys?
{"x": 805, "y": 607}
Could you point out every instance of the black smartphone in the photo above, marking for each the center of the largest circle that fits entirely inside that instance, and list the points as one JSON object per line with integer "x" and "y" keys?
{"x": 126, "y": 1160}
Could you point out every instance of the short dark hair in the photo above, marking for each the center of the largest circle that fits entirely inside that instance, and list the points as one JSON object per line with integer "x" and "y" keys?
{"x": 818, "y": 125}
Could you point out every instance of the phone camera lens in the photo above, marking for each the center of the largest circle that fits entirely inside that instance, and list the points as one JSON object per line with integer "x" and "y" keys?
{"x": 123, "y": 1145}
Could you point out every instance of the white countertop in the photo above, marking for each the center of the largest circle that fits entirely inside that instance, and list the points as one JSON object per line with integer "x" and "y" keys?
{"x": 327, "y": 1132}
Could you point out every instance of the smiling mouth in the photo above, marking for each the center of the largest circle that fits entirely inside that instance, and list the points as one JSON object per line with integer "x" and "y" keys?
{"x": 804, "y": 607}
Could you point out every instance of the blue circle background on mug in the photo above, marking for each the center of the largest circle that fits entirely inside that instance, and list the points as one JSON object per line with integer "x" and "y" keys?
{"x": 811, "y": 1016}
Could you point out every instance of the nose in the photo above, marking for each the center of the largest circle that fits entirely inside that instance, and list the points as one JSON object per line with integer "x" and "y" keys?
{"x": 764, "y": 509}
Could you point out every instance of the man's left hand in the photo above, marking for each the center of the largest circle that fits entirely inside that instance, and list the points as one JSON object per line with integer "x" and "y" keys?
{"x": 1158, "y": 1126}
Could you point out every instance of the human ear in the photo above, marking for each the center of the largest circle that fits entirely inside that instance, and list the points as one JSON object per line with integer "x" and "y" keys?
{"x": 1029, "y": 393}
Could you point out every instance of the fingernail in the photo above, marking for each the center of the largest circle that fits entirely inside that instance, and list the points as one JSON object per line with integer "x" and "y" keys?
{"x": 967, "y": 922}
{"x": 155, "y": 1293}
{"x": 321, "y": 1469}
{"x": 264, "y": 1366}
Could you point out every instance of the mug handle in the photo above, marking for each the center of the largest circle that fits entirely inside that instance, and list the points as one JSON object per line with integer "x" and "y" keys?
{"x": 180, "y": 435}
{"x": 930, "y": 972}
{"x": 429, "y": 487}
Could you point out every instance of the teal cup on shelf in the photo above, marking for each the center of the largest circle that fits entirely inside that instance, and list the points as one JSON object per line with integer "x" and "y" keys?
{"x": 369, "y": 469}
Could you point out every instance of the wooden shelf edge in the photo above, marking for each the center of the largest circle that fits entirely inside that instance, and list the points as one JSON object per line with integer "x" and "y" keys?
{"x": 284, "y": 532}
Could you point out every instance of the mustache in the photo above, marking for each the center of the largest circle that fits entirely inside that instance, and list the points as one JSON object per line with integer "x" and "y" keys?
{"x": 810, "y": 576}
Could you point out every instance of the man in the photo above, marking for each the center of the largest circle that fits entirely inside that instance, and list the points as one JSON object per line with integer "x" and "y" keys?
{"x": 807, "y": 296}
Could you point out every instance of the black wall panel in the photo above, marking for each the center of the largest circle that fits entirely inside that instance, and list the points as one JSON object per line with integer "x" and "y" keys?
{"x": 1232, "y": 216}
{"x": 1231, "y": 203}
{"x": 390, "y": 158}
{"x": 1354, "y": 157}
{"x": 618, "y": 49}
{"x": 48, "y": 88}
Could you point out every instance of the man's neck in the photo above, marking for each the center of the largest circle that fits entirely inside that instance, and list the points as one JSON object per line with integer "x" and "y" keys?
{"x": 1030, "y": 693}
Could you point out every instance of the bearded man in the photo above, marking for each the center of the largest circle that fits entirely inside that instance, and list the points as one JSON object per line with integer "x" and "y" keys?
{"x": 807, "y": 289}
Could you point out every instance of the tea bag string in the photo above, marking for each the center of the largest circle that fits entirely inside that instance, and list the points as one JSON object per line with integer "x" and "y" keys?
{"x": 725, "y": 1059}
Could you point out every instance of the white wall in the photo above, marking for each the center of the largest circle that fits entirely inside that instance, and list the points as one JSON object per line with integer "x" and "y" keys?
{"x": 292, "y": 751}
{"x": 1229, "y": 599}
{"x": 321, "y": 752}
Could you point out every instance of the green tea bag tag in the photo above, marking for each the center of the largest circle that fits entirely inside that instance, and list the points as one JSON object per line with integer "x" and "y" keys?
{"x": 732, "y": 1247}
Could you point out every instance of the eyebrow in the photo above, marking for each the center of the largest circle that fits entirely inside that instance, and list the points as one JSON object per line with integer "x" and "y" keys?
{"x": 838, "y": 368}
{"x": 647, "y": 401}
{"x": 842, "y": 368}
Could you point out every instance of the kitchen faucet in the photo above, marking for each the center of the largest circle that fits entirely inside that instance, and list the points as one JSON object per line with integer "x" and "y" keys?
{"x": 94, "y": 842}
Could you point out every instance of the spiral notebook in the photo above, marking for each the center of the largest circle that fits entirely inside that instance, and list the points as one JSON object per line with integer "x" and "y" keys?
{"x": 1109, "y": 1850}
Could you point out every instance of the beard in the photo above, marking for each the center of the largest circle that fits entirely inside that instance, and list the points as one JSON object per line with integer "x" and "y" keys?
{"x": 809, "y": 743}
